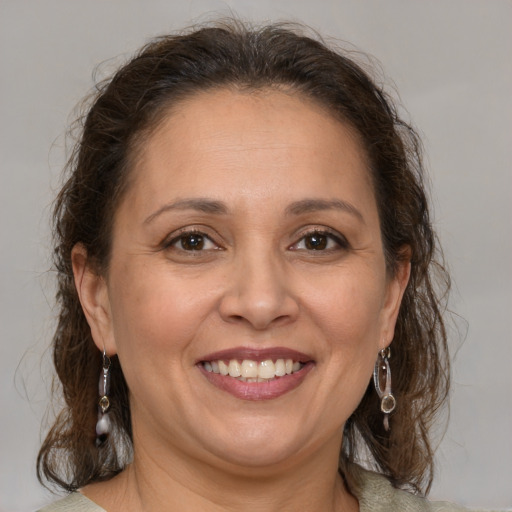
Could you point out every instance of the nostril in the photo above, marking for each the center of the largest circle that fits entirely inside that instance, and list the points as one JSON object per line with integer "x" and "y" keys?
{"x": 281, "y": 319}
{"x": 259, "y": 322}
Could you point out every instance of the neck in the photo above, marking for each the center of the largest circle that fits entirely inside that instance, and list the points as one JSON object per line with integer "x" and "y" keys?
{"x": 172, "y": 481}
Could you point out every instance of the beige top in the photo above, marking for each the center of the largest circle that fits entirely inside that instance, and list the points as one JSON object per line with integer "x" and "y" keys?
{"x": 373, "y": 491}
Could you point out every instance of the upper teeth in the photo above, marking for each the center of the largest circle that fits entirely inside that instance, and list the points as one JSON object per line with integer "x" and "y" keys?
{"x": 252, "y": 371}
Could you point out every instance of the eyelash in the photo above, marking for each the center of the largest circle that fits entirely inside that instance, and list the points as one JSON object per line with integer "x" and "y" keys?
{"x": 330, "y": 237}
{"x": 188, "y": 234}
{"x": 338, "y": 239}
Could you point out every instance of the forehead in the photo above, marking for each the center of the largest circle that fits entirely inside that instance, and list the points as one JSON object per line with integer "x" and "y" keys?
{"x": 267, "y": 142}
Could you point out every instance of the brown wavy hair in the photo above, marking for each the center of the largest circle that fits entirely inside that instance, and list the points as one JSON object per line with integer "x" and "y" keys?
{"x": 123, "y": 112}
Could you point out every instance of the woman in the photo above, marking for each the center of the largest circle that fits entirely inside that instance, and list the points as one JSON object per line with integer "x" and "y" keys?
{"x": 245, "y": 257}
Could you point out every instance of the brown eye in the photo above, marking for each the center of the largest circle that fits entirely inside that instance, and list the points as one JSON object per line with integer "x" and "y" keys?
{"x": 321, "y": 241}
{"x": 192, "y": 242}
{"x": 316, "y": 242}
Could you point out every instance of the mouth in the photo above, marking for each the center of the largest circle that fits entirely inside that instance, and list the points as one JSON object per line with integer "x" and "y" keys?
{"x": 256, "y": 374}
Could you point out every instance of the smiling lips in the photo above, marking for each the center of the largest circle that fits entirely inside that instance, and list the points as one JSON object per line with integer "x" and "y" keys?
{"x": 256, "y": 374}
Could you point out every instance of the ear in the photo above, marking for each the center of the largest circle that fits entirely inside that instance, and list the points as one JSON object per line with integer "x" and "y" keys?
{"x": 93, "y": 294}
{"x": 396, "y": 286}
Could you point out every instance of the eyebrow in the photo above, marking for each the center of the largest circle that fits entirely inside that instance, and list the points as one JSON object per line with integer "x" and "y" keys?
{"x": 315, "y": 205}
{"x": 198, "y": 204}
{"x": 210, "y": 206}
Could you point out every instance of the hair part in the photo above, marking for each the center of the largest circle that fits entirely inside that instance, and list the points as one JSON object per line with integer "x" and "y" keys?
{"x": 122, "y": 115}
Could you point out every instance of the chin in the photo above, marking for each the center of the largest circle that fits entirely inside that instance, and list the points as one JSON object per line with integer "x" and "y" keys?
{"x": 254, "y": 446}
{"x": 260, "y": 455}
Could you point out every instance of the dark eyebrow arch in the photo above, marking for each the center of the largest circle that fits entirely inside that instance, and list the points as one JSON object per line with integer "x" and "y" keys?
{"x": 199, "y": 204}
{"x": 315, "y": 205}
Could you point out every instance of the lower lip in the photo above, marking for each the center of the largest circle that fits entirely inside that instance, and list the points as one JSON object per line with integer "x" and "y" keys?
{"x": 257, "y": 390}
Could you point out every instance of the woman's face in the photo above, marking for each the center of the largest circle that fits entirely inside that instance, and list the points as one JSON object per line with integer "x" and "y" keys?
{"x": 247, "y": 243}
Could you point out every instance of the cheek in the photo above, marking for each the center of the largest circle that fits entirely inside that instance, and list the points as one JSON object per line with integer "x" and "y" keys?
{"x": 348, "y": 314}
{"x": 157, "y": 319}
{"x": 155, "y": 313}
{"x": 349, "y": 307}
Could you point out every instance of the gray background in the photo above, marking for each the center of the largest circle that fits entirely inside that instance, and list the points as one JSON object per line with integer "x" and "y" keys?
{"x": 449, "y": 60}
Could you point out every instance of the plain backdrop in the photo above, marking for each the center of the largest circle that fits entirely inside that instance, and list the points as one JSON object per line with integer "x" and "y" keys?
{"x": 450, "y": 60}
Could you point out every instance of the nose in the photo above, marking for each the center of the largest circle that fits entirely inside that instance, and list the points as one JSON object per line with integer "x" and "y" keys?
{"x": 259, "y": 294}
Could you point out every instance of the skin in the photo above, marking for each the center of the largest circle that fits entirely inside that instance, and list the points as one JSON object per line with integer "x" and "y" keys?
{"x": 256, "y": 284}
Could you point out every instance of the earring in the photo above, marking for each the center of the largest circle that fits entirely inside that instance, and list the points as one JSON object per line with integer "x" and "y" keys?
{"x": 382, "y": 382}
{"x": 103, "y": 424}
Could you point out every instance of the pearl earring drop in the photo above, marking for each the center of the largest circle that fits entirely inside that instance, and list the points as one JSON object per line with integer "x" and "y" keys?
{"x": 103, "y": 425}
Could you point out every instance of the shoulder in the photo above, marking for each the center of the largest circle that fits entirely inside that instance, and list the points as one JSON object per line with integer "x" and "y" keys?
{"x": 376, "y": 494}
{"x": 75, "y": 502}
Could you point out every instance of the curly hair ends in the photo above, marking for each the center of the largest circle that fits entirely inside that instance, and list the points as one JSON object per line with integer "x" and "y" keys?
{"x": 123, "y": 112}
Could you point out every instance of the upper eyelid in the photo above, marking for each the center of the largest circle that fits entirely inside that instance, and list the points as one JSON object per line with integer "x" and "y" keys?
{"x": 323, "y": 230}
{"x": 320, "y": 229}
{"x": 196, "y": 230}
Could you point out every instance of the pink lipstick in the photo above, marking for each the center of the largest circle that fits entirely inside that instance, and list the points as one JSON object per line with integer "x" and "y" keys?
{"x": 256, "y": 374}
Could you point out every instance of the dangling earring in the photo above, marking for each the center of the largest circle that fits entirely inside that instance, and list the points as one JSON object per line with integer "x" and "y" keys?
{"x": 382, "y": 381}
{"x": 103, "y": 424}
